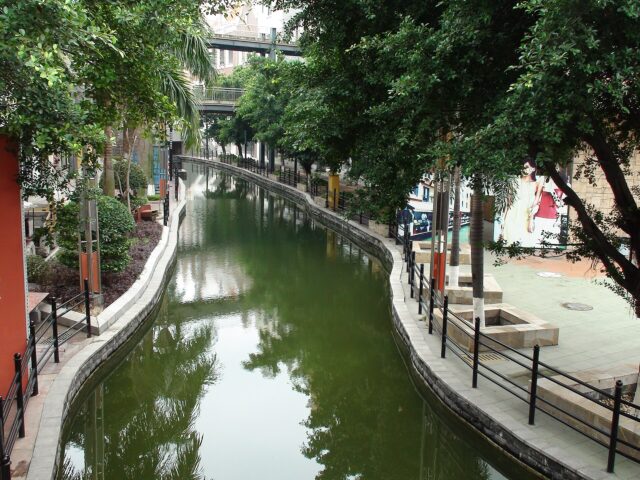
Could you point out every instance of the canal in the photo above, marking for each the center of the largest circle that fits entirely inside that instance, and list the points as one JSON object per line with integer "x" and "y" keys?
{"x": 271, "y": 356}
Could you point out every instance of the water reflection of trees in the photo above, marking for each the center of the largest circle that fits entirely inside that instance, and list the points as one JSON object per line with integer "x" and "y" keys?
{"x": 332, "y": 335}
{"x": 139, "y": 423}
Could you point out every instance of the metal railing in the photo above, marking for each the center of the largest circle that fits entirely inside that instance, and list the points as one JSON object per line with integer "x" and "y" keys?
{"x": 607, "y": 435}
{"x": 217, "y": 94}
{"x": 257, "y": 37}
{"x": 28, "y": 365}
{"x": 291, "y": 177}
{"x": 340, "y": 203}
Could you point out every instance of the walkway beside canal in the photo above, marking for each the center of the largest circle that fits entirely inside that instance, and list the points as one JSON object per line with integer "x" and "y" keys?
{"x": 44, "y": 415}
{"x": 602, "y": 337}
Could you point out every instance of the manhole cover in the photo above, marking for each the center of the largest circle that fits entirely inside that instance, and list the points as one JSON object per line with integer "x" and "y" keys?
{"x": 579, "y": 307}
{"x": 549, "y": 274}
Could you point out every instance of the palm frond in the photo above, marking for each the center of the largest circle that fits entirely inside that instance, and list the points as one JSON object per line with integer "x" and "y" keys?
{"x": 176, "y": 86}
{"x": 192, "y": 52}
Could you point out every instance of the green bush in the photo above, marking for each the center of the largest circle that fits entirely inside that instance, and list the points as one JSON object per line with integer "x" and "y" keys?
{"x": 115, "y": 224}
{"x": 37, "y": 269}
{"x": 138, "y": 180}
{"x": 137, "y": 202}
{"x": 153, "y": 197}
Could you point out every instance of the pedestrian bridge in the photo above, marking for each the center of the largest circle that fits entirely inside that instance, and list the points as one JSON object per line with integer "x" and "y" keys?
{"x": 217, "y": 99}
{"x": 260, "y": 43}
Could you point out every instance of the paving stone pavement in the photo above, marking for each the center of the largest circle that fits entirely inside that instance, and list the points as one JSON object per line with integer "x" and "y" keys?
{"x": 607, "y": 335}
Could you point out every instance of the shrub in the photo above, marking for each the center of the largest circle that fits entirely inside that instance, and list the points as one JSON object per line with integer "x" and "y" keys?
{"x": 137, "y": 202}
{"x": 153, "y": 197}
{"x": 37, "y": 269}
{"x": 138, "y": 180}
{"x": 115, "y": 224}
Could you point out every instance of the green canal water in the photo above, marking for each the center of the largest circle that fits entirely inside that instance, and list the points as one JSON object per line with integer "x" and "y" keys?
{"x": 271, "y": 356}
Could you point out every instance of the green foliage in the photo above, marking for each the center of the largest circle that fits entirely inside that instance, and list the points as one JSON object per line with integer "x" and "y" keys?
{"x": 37, "y": 269}
{"x": 69, "y": 69}
{"x": 138, "y": 180}
{"x": 115, "y": 224}
{"x": 415, "y": 86}
{"x": 153, "y": 197}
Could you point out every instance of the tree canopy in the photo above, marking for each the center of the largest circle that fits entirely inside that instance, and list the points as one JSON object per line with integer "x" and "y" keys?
{"x": 70, "y": 68}
{"x": 400, "y": 88}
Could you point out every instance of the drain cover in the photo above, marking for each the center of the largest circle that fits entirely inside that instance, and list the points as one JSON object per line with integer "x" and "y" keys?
{"x": 579, "y": 307}
{"x": 549, "y": 274}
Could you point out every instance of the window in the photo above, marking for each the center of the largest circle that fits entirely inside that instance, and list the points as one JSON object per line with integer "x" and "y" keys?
{"x": 425, "y": 194}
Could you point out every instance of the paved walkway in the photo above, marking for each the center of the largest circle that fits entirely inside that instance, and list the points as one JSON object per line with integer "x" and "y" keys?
{"x": 23, "y": 449}
{"x": 606, "y": 336}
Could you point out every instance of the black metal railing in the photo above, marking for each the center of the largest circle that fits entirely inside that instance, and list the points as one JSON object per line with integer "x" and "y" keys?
{"x": 252, "y": 165}
{"x": 429, "y": 300}
{"x": 28, "y": 365}
{"x": 318, "y": 189}
{"x": 339, "y": 202}
{"x": 291, "y": 177}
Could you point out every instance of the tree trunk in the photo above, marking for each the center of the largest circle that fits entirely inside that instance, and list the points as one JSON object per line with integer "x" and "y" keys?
{"x": 239, "y": 146}
{"x": 454, "y": 270}
{"x": 477, "y": 252}
{"x": 108, "y": 185}
{"x": 129, "y": 154}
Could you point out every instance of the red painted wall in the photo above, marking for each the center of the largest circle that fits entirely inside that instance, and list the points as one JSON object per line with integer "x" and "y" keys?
{"x": 13, "y": 333}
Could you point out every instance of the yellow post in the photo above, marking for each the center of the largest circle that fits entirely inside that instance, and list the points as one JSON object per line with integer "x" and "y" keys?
{"x": 334, "y": 190}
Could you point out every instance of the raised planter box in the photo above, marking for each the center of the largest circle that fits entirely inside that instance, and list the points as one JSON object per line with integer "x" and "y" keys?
{"x": 423, "y": 252}
{"x": 463, "y": 293}
{"x": 505, "y": 323}
{"x": 594, "y": 413}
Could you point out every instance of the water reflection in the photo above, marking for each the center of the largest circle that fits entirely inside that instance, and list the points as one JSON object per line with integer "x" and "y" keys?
{"x": 273, "y": 358}
{"x": 139, "y": 422}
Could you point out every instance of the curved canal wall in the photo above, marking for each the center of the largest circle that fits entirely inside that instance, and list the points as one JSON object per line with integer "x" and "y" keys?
{"x": 477, "y": 408}
{"x": 117, "y": 323}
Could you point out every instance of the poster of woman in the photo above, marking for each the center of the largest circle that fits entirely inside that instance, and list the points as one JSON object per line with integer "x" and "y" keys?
{"x": 532, "y": 217}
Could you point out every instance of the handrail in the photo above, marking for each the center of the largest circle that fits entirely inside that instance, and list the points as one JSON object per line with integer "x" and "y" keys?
{"x": 226, "y": 95}
{"x": 428, "y": 300}
{"x": 13, "y": 407}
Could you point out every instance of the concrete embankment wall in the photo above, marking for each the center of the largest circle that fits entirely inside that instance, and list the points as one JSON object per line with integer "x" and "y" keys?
{"x": 429, "y": 371}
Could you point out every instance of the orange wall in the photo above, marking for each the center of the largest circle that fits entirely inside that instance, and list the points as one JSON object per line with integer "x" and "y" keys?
{"x": 13, "y": 334}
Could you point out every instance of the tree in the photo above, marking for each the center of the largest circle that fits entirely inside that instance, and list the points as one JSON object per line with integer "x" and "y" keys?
{"x": 577, "y": 93}
{"x": 115, "y": 223}
{"x": 39, "y": 107}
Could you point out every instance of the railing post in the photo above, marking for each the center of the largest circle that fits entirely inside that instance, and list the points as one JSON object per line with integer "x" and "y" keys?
{"x": 432, "y": 298}
{"x": 615, "y": 420}
{"x": 326, "y": 203}
{"x": 533, "y": 393}
{"x": 54, "y": 328}
{"x": 176, "y": 184}
{"x": 335, "y": 207}
{"x": 412, "y": 273}
{"x": 5, "y": 467}
{"x": 445, "y": 315}
{"x": 476, "y": 352}
{"x": 34, "y": 358}
{"x": 17, "y": 363}
{"x": 421, "y": 289}
{"x": 409, "y": 267}
{"x": 87, "y": 307}
{"x": 1, "y": 429}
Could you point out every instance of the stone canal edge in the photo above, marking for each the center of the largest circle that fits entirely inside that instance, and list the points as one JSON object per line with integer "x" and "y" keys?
{"x": 117, "y": 324}
{"x": 428, "y": 370}
{"x": 426, "y": 367}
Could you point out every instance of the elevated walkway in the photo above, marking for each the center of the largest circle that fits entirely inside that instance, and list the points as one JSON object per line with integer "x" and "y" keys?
{"x": 259, "y": 44}
{"x": 217, "y": 99}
